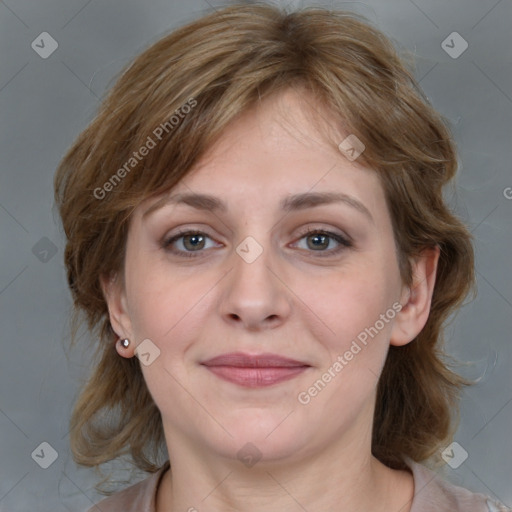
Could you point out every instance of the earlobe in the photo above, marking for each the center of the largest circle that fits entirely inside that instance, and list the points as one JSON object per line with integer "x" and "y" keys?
{"x": 417, "y": 298}
{"x": 114, "y": 295}
{"x": 124, "y": 348}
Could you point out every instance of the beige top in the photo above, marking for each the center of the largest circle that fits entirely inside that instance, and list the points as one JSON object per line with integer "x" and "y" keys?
{"x": 431, "y": 494}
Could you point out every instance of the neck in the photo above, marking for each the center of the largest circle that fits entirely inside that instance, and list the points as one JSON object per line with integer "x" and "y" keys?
{"x": 329, "y": 480}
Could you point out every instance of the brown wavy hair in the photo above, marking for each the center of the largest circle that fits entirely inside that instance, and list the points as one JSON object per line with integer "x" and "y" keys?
{"x": 221, "y": 65}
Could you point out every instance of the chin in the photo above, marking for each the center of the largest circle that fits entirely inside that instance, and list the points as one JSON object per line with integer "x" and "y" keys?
{"x": 267, "y": 435}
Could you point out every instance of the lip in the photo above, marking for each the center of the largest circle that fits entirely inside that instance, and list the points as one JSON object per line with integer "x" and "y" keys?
{"x": 242, "y": 360}
{"x": 254, "y": 371}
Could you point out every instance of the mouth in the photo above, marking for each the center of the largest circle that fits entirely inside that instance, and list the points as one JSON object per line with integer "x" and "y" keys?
{"x": 255, "y": 371}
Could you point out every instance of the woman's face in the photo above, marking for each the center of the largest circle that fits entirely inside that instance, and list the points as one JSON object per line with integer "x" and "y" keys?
{"x": 252, "y": 281}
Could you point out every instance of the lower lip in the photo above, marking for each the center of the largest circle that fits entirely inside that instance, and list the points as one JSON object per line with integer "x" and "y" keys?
{"x": 256, "y": 377}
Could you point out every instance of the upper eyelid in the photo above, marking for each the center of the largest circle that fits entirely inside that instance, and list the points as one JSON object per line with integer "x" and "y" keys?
{"x": 346, "y": 240}
{"x": 303, "y": 232}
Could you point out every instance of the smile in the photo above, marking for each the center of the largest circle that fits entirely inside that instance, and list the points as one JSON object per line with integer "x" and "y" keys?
{"x": 256, "y": 377}
{"x": 255, "y": 371}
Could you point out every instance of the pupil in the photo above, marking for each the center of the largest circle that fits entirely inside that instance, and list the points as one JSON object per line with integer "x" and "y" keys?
{"x": 320, "y": 238}
{"x": 194, "y": 240}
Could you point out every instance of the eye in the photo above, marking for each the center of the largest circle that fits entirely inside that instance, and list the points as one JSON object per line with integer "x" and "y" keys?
{"x": 190, "y": 241}
{"x": 318, "y": 240}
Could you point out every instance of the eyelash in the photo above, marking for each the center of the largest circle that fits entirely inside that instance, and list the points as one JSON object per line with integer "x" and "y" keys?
{"x": 344, "y": 243}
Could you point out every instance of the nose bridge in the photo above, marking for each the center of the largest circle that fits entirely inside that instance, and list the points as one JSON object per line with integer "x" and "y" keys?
{"x": 254, "y": 294}
{"x": 251, "y": 265}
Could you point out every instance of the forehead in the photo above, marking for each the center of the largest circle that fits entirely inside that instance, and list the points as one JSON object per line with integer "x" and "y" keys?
{"x": 286, "y": 144}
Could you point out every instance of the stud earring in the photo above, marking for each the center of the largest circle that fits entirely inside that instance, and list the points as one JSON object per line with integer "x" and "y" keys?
{"x": 125, "y": 343}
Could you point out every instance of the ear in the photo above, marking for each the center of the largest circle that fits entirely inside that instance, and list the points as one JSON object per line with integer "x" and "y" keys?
{"x": 115, "y": 296}
{"x": 416, "y": 299}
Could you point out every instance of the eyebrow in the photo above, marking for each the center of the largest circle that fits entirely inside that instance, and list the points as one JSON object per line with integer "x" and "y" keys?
{"x": 288, "y": 204}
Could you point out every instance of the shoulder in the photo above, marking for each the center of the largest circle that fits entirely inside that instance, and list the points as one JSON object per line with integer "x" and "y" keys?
{"x": 139, "y": 497}
{"x": 432, "y": 492}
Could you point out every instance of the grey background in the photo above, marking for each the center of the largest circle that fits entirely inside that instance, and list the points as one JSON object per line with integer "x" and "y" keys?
{"x": 45, "y": 103}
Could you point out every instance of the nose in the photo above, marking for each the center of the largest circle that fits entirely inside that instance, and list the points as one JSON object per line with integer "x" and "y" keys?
{"x": 255, "y": 296}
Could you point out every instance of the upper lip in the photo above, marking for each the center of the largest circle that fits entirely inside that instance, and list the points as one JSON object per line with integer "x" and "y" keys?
{"x": 242, "y": 360}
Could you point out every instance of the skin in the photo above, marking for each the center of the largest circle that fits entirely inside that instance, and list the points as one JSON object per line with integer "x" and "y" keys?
{"x": 290, "y": 301}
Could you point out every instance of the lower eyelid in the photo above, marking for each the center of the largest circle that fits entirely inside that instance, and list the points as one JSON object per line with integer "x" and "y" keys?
{"x": 169, "y": 241}
{"x": 343, "y": 243}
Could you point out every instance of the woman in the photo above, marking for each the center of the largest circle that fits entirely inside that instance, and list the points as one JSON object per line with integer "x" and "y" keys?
{"x": 257, "y": 235}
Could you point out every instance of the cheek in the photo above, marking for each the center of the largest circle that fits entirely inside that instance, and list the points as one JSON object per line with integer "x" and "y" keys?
{"x": 149, "y": 312}
{"x": 362, "y": 321}
{"x": 356, "y": 317}
{"x": 349, "y": 299}
{"x": 161, "y": 302}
